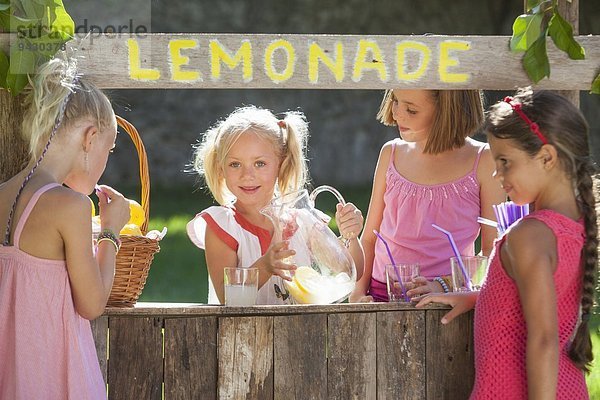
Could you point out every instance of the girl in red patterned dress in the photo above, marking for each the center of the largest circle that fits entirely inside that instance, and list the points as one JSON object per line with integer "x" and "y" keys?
{"x": 531, "y": 316}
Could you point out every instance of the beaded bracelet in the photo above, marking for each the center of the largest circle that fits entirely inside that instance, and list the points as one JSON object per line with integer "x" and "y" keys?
{"x": 442, "y": 283}
{"x": 448, "y": 280}
{"x": 108, "y": 235}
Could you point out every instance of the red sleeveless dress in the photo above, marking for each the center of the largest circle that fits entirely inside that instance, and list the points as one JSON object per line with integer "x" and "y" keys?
{"x": 500, "y": 330}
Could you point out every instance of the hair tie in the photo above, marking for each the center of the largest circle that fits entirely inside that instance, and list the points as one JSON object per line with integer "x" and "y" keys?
{"x": 535, "y": 128}
{"x": 282, "y": 124}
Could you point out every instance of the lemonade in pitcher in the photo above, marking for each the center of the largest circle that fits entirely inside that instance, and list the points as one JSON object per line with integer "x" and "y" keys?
{"x": 326, "y": 272}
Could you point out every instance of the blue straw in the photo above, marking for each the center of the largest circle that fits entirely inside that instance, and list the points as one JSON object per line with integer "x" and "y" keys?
{"x": 393, "y": 263}
{"x": 458, "y": 257}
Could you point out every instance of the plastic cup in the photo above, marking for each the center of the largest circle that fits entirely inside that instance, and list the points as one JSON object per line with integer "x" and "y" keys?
{"x": 476, "y": 268}
{"x": 399, "y": 280}
{"x": 241, "y": 286}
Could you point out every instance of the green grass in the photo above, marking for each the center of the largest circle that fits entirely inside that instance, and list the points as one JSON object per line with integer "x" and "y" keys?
{"x": 178, "y": 273}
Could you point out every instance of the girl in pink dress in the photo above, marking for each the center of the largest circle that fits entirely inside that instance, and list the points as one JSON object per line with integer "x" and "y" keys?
{"x": 246, "y": 160}
{"x": 434, "y": 174}
{"x": 531, "y": 315}
{"x": 51, "y": 283}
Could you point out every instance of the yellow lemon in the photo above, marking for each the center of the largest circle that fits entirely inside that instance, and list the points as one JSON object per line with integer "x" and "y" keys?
{"x": 132, "y": 230}
{"x": 299, "y": 296}
{"x": 136, "y": 213}
{"x": 306, "y": 279}
{"x": 93, "y": 207}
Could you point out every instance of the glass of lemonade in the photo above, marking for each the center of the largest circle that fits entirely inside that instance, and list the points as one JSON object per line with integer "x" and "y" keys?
{"x": 241, "y": 286}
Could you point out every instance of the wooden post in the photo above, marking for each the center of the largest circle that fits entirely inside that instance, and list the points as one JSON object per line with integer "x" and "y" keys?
{"x": 13, "y": 149}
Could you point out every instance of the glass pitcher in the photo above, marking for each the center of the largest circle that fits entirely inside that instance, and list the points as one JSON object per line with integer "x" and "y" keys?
{"x": 326, "y": 272}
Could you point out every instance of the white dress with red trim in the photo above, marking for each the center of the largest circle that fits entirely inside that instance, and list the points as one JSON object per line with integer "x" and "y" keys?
{"x": 249, "y": 241}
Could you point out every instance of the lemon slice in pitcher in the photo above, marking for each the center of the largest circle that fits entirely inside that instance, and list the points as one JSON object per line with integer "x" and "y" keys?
{"x": 307, "y": 279}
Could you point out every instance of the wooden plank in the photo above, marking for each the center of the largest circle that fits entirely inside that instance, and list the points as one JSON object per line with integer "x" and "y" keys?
{"x": 352, "y": 361}
{"x": 449, "y": 356}
{"x": 135, "y": 368}
{"x": 191, "y": 358}
{"x": 322, "y": 62}
{"x": 100, "y": 334}
{"x": 142, "y": 309}
{"x": 300, "y": 357}
{"x": 245, "y": 358}
{"x": 401, "y": 355}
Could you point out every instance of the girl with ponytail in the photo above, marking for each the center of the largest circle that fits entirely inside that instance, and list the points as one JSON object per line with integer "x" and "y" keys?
{"x": 246, "y": 160}
{"x": 531, "y": 317}
{"x": 51, "y": 282}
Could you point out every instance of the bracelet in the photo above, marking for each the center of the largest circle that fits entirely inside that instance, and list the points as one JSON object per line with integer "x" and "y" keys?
{"x": 448, "y": 280}
{"x": 108, "y": 235}
{"x": 442, "y": 283}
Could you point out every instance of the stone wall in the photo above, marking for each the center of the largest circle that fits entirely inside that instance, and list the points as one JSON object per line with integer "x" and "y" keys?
{"x": 345, "y": 137}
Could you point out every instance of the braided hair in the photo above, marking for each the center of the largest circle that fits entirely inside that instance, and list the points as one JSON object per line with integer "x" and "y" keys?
{"x": 563, "y": 126}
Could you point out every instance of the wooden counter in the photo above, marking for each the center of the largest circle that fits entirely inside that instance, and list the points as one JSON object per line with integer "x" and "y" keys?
{"x": 342, "y": 351}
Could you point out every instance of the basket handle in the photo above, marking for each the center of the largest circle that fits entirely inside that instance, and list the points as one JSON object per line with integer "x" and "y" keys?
{"x": 143, "y": 164}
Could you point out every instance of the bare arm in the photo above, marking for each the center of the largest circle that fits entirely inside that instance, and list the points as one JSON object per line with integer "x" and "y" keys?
{"x": 373, "y": 222}
{"x": 529, "y": 257}
{"x": 490, "y": 193}
{"x": 91, "y": 278}
{"x": 350, "y": 223}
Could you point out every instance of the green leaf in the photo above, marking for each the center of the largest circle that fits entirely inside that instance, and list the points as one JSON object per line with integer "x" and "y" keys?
{"x": 526, "y": 30}
{"x": 533, "y": 3}
{"x": 4, "y": 65}
{"x": 596, "y": 85}
{"x": 4, "y": 7}
{"x": 535, "y": 60}
{"x": 62, "y": 23}
{"x": 561, "y": 33}
{"x": 47, "y": 45}
{"x": 22, "y": 63}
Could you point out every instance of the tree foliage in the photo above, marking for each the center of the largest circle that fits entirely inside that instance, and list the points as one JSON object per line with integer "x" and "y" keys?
{"x": 530, "y": 31}
{"x": 40, "y": 28}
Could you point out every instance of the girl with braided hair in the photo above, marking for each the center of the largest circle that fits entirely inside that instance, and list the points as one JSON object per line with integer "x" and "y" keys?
{"x": 531, "y": 316}
{"x": 51, "y": 282}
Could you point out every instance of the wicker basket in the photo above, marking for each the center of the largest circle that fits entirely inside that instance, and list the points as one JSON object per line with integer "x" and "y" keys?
{"x": 137, "y": 252}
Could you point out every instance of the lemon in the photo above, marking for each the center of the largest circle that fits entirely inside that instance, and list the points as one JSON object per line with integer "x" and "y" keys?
{"x": 306, "y": 278}
{"x": 299, "y": 295}
{"x": 93, "y": 207}
{"x": 136, "y": 213}
{"x": 132, "y": 230}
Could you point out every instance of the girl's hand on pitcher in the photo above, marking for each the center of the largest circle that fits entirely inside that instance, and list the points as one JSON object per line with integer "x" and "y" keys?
{"x": 349, "y": 220}
{"x": 274, "y": 261}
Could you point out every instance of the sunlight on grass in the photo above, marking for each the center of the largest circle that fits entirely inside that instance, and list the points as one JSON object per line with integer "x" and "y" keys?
{"x": 593, "y": 379}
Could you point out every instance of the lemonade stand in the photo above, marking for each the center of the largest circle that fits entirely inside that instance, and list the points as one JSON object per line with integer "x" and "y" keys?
{"x": 300, "y": 351}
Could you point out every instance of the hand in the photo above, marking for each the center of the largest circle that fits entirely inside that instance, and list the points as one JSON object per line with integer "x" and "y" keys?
{"x": 360, "y": 298}
{"x": 349, "y": 220}
{"x": 460, "y": 302}
{"x": 114, "y": 209}
{"x": 421, "y": 286}
{"x": 273, "y": 262}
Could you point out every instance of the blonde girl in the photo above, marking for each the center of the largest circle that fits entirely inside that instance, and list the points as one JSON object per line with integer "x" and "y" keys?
{"x": 51, "y": 282}
{"x": 433, "y": 174}
{"x": 532, "y": 337}
{"x": 246, "y": 160}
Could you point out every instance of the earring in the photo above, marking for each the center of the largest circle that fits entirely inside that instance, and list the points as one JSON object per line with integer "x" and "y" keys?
{"x": 86, "y": 164}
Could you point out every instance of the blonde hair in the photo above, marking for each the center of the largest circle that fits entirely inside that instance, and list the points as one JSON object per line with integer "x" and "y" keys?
{"x": 288, "y": 136}
{"x": 54, "y": 81}
{"x": 458, "y": 115}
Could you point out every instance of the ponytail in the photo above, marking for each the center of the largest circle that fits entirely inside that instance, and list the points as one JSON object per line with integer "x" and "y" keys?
{"x": 293, "y": 172}
{"x": 581, "y": 347}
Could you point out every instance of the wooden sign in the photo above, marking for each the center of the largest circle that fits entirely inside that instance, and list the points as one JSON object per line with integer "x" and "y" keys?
{"x": 291, "y": 61}
{"x": 322, "y": 62}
